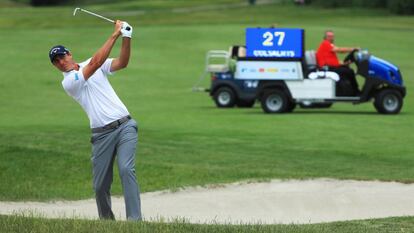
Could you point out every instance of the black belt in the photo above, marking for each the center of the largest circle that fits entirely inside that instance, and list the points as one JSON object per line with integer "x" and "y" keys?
{"x": 112, "y": 125}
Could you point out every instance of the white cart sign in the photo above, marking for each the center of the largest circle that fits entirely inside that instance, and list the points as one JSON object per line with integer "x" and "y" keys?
{"x": 269, "y": 70}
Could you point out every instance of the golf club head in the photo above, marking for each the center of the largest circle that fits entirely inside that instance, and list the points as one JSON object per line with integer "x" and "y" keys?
{"x": 76, "y": 9}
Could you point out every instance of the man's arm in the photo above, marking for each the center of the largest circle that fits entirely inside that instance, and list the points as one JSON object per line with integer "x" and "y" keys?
{"x": 123, "y": 59}
{"x": 102, "y": 54}
{"x": 343, "y": 49}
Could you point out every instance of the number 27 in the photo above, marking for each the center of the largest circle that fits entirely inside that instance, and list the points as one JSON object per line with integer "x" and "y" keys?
{"x": 269, "y": 38}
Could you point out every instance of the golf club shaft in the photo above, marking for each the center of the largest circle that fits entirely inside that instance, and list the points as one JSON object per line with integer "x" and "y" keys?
{"x": 100, "y": 16}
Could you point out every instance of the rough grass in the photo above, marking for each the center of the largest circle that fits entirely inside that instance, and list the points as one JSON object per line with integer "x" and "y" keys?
{"x": 19, "y": 224}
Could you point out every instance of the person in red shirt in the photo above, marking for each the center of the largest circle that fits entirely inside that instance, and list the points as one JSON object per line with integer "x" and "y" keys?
{"x": 326, "y": 57}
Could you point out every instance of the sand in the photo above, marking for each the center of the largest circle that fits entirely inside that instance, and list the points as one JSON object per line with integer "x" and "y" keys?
{"x": 277, "y": 201}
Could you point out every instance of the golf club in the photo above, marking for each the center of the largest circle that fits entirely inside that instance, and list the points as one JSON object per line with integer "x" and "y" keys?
{"x": 94, "y": 14}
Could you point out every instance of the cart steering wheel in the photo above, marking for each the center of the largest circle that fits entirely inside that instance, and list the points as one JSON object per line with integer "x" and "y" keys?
{"x": 350, "y": 58}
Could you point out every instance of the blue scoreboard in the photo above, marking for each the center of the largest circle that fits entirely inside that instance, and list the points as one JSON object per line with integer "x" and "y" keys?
{"x": 275, "y": 43}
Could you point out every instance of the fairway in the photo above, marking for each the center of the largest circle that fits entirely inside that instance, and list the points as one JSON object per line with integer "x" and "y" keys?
{"x": 184, "y": 139}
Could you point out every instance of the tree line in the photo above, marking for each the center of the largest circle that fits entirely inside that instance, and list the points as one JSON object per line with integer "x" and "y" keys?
{"x": 47, "y": 2}
{"x": 405, "y": 7}
{"x": 395, "y": 6}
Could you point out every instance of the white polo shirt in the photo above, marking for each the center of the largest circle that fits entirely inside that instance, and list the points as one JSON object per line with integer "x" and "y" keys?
{"x": 96, "y": 95}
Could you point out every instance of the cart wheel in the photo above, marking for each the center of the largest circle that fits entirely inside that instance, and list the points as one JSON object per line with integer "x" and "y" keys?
{"x": 275, "y": 101}
{"x": 245, "y": 103}
{"x": 224, "y": 97}
{"x": 291, "y": 107}
{"x": 388, "y": 101}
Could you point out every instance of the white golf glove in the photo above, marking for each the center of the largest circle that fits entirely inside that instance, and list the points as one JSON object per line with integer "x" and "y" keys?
{"x": 124, "y": 31}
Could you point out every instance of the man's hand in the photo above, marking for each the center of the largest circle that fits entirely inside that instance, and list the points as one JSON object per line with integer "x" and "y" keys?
{"x": 117, "y": 29}
{"x": 122, "y": 61}
{"x": 124, "y": 31}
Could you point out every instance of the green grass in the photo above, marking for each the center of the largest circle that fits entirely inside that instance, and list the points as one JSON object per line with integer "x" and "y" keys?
{"x": 20, "y": 224}
{"x": 184, "y": 139}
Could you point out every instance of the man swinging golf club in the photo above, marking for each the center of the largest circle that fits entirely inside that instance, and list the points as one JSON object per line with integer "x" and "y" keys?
{"x": 114, "y": 132}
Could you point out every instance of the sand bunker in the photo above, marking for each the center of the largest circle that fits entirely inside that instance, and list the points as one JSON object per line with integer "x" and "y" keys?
{"x": 277, "y": 201}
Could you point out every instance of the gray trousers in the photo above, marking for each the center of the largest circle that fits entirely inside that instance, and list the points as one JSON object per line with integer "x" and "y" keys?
{"x": 122, "y": 142}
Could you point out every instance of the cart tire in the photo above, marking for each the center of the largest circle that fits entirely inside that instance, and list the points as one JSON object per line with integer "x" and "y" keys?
{"x": 224, "y": 97}
{"x": 275, "y": 101}
{"x": 388, "y": 101}
{"x": 245, "y": 103}
{"x": 291, "y": 107}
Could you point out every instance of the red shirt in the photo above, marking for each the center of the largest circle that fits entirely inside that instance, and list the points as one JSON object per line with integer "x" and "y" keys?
{"x": 325, "y": 56}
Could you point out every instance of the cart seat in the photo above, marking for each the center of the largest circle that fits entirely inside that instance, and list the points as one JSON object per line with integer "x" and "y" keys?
{"x": 237, "y": 51}
{"x": 241, "y": 52}
{"x": 310, "y": 60}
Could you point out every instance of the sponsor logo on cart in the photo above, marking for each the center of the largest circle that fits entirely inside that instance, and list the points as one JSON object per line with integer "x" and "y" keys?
{"x": 248, "y": 70}
{"x": 285, "y": 70}
{"x": 272, "y": 70}
{"x": 274, "y": 53}
{"x": 262, "y": 70}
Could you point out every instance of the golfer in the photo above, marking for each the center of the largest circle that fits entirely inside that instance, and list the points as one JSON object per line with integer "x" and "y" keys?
{"x": 114, "y": 132}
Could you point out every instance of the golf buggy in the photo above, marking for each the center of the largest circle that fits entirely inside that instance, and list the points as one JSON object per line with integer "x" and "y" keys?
{"x": 274, "y": 69}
